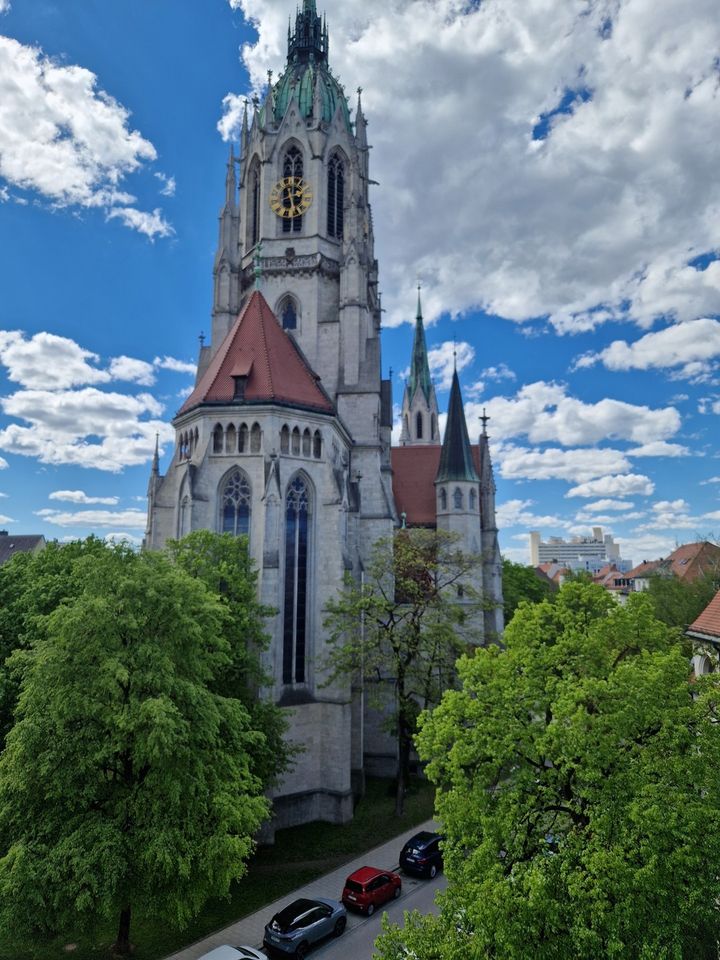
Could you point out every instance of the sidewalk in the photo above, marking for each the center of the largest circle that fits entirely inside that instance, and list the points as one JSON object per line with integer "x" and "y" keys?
{"x": 250, "y": 929}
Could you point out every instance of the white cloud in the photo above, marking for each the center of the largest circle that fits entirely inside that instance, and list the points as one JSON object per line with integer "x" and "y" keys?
{"x": 598, "y": 219}
{"x": 134, "y": 371}
{"x": 501, "y": 372}
{"x": 79, "y": 496}
{"x": 659, "y": 448}
{"x": 136, "y": 519}
{"x": 130, "y": 539}
{"x": 689, "y": 348}
{"x": 65, "y": 139}
{"x": 520, "y": 463}
{"x": 86, "y": 428}
{"x": 608, "y": 504}
{"x": 626, "y": 485}
{"x": 168, "y": 185}
{"x": 445, "y": 358}
{"x": 709, "y": 480}
{"x": 4, "y": 6}
{"x": 177, "y": 366}
{"x": 150, "y": 224}
{"x": 47, "y": 361}
{"x": 544, "y": 413}
{"x": 515, "y": 513}
{"x": 4, "y": 519}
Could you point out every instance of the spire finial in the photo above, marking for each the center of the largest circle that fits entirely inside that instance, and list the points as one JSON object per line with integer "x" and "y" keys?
{"x": 484, "y": 418}
{"x": 258, "y": 265}
{"x": 419, "y": 315}
{"x": 201, "y": 338}
{"x": 455, "y": 353}
{"x": 156, "y": 456}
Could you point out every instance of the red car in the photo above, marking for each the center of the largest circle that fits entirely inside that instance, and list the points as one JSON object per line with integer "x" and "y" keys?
{"x": 369, "y": 887}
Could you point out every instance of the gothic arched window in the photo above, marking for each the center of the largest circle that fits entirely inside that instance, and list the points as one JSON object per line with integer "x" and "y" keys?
{"x": 285, "y": 439}
{"x": 218, "y": 439}
{"x": 443, "y": 498}
{"x": 243, "y": 438}
{"x": 419, "y": 425}
{"x": 457, "y": 498}
{"x": 317, "y": 445}
{"x": 235, "y": 504}
{"x": 254, "y": 203}
{"x": 288, "y": 314}
{"x": 230, "y": 439}
{"x": 297, "y": 564}
{"x": 293, "y": 167}
{"x": 306, "y": 443}
{"x": 296, "y": 442}
{"x": 255, "y": 438}
{"x": 336, "y": 197}
{"x": 473, "y": 499}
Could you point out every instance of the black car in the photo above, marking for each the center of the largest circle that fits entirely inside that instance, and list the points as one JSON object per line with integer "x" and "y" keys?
{"x": 421, "y": 855}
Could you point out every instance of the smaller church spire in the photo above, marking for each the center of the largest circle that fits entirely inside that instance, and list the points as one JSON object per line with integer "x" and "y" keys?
{"x": 245, "y": 133}
{"x": 456, "y": 462}
{"x": 419, "y": 367}
{"x": 231, "y": 179}
{"x": 156, "y": 457}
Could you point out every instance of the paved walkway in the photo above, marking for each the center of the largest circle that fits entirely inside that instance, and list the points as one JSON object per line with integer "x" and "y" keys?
{"x": 250, "y": 929}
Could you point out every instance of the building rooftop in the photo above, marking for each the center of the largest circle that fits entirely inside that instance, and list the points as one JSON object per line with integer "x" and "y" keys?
{"x": 10, "y": 544}
{"x": 688, "y": 562}
{"x": 414, "y": 471}
{"x": 708, "y": 623}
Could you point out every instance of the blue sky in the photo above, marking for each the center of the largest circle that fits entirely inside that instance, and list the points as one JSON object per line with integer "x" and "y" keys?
{"x": 547, "y": 169}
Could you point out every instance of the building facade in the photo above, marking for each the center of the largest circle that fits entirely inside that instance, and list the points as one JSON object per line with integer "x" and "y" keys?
{"x": 286, "y": 437}
{"x": 579, "y": 553}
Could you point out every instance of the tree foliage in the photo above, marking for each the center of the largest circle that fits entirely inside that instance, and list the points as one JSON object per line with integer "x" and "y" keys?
{"x": 127, "y": 778}
{"x": 577, "y": 783}
{"x": 403, "y": 628}
{"x": 678, "y": 602}
{"x": 522, "y": 583}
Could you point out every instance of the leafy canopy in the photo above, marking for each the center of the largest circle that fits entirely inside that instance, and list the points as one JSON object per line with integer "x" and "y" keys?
{"x": 577, "y": 783}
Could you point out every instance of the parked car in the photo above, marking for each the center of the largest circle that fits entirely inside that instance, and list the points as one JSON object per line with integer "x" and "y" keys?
{"x": 421, "y": 855}
{"x": 233, "y": 953}
{"x": 369, "y": 888}
{"x": 302, "y": 923}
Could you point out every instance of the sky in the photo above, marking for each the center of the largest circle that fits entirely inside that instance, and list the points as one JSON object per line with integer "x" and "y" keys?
{"x": 546, "y": 169}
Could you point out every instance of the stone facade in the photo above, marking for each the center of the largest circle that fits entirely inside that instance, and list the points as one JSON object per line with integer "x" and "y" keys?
{"x": 286, "y": 436}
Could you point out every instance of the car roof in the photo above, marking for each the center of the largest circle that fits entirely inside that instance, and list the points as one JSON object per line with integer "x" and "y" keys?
{"x": 425, "y": 836}
{"x": 365, "y": 874}
{"x": 293, "y": 910}
{"x": 225, "y": 952}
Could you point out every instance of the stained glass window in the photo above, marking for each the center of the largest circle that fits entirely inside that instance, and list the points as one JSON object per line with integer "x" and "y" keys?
{"x": 235, "y": 504}
{"x": 296, "y": 577}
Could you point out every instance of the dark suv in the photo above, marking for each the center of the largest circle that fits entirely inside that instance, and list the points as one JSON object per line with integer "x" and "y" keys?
{"x": 421, "y": 855}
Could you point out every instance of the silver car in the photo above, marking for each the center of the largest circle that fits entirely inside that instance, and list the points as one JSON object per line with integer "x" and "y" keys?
{"x": 226, "y": 952}
{"x": 302, "y": 923}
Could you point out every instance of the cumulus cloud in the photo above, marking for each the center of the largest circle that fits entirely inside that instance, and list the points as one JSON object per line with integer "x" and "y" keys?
{"x": 625, "y": 485}
{"x": 659, "y": 448}
{"x": 47, "y": 361}
{"x": 545, "y": 413}
{"x": 86, "y": 428}
{"x": 79, "y": 496}
{"x": 168, "y": 185}
{"x": 134, "y": 371}
{"x": 586, "y": 187}
{"x": 517, "y": 513}
{"x": 177, "y": 366}
{"x": 704, "y": 483}
{"x": 66, "y": 140}
{"x": 608, "y": 504}
{"x": 4, "y": 6}
{"x": 689, "y": 349}
{"x": 94, "y": 518}
{"x": 447, "y": 357}
{"x": 521, "y": 463}
{"x": 501, "y": 372}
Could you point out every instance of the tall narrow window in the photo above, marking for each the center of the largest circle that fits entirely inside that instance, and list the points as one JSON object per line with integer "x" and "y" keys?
{"x": 317, "y": 445}
{"x": 235, "y": 504}
{"x": 306, "y": 443}
{"x": 218, "y": 439}
{"x": 457, "y": 498}
{"x": 296, "y": 576}
{"x": 288, "y": 314}
{"x": 419, "y": 426}
{"x": 255, "y": 204}
{"x": 473, "y": 499}
{"x": 293, "y": 167}
{"x": 285, "y": 439}
{"x": 243, "y": 438}
{"x": 336, "y": 197}
{"x": 443, "y": 498}
{"x": 255, "y": 438}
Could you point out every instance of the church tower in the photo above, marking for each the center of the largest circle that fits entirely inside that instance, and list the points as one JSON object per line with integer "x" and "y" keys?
{"x": 419, "y": 408}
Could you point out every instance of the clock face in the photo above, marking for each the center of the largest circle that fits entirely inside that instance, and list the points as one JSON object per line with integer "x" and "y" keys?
{"x": 290, "y": 197}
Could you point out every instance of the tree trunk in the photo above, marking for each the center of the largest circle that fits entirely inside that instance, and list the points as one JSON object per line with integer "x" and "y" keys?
{"x": 402, "y": 766}
{"x": 121, "y": 947}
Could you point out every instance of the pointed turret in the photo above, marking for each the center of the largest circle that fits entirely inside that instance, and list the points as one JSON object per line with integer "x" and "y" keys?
{"x": 231, "y": 180}
{"x": 245, "y": 133}
{"x": 490, "y": 546}
{"x": 155, "y": 471}
{"x": 456, "y": 462}
{"x": 420, "y": 410}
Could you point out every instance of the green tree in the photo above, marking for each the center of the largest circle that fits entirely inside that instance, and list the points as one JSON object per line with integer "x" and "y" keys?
{"x": 576, "y": 772}
{"x": 678, "y": 602}
{"x": 223, "y": 563}
{"x": 126, "y": 779}
{"x": 522, "y": 583}
{"x": 32, "y": 585}
{"x": 403, "y": 628}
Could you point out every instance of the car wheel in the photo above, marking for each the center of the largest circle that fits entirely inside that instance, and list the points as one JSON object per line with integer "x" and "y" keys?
{"x": 339, "y": 926}
{"x": 371, "y": 909}
{"x": 432, "y": 872}
{"x": 398, "y": 891}
{"x": 301, "y": 951}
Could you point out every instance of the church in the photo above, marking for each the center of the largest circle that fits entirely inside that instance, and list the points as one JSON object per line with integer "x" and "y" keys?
{"x": 286, "y": 436}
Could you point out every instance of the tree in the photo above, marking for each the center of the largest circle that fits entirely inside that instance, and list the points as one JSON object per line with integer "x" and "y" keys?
{"x": 126, "y": 779}
{"x": 576, "y": 772}
{"x": 412, "y": 628}
{"x": 223, "y": 563}
{"x": 678, "y": 602}
{"x": 522, "y": 583}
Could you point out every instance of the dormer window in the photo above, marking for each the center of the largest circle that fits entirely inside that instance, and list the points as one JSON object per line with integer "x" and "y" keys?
{"x": 240, "y": 375}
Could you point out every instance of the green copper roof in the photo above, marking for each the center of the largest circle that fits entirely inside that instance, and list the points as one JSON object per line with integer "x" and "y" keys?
{"x": 419, "y": 367}
{"x": 456, "y": 461}
{"x": 300, "y": 80}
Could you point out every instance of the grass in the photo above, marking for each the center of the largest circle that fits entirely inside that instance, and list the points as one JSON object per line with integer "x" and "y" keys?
{"x": 299, "y": 855}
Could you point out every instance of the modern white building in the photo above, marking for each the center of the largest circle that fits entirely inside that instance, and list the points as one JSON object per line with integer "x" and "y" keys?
{"x": 578, "y": 553}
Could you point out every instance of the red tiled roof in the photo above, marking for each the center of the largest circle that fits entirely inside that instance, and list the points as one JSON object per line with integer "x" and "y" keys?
{"x": 708, "y": 622}
{"x": 414, "y": 471}
{"x": 688, "y": 562}
{"x": 643, "y": 569}
{"x": 258, "y": 347}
